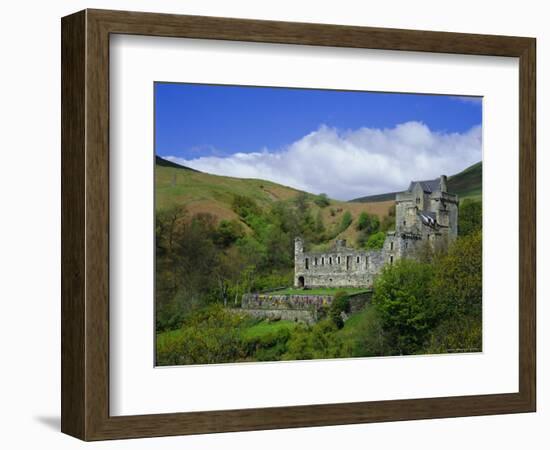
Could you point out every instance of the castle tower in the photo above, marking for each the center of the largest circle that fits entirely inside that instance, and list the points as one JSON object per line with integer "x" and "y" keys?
{"x": 299, "y": 262}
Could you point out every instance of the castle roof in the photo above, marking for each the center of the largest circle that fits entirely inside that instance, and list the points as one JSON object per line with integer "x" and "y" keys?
{"x": 427, "y": 186}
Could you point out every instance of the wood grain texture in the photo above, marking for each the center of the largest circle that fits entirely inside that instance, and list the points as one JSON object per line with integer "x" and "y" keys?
{"x": 73, "y": 226}
{"x": 85, "y": 224}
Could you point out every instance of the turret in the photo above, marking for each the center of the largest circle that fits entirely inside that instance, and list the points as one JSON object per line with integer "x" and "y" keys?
{"x": 443, "y": 183}
{"x": 298, "y": 246}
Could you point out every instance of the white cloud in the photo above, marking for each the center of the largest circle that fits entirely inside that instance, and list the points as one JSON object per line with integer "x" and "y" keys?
{"x": 353, "y": 163}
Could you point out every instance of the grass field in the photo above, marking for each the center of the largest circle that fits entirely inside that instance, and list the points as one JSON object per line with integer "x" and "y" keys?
{"x": 265, "y": 327}
{"x": 318, "y": 291}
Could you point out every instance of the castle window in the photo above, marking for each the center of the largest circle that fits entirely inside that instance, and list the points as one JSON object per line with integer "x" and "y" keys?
{"x": 348, "y": 261}
{"x": 338, "y": 260}
{"x": 330, "y": 260}
{"x": 391, "y": 259}
{"x": 315, "y": 260}
{"x": 358, "y": 259}
{"x": 307, "y": 263}
{"x": 417, "y": 200}
{"x": 391, "y": 245}
{"x": 323, "y": 261}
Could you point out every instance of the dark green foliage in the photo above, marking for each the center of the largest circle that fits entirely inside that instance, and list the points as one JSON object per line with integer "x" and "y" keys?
{"x": 228, "y": 232}
{"x": 469, "y": 217}
{"x": 401, "y": 296}
{"x": 268, "y": 347}
{"x": 432, "y": 306}
{"x": 322, "y": 200}
{"x": 369, "y": 223}
{"x": 209, "y": 336}
{"x": 346, "y": 221}
{"x": 317, "y": 342}
{"x": 340, "y": 304}
{"x": 376, "y": 241}
{"x": 245, "y": 206}
{"x": 457, "y": 282}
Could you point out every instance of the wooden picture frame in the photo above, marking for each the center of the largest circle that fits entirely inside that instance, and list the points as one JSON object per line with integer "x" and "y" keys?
{"x": 85, "y": 224}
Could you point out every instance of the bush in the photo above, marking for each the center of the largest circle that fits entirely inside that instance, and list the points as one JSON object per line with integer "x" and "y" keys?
{"x": 228, "y": 232}
{"x": 346, "y": 221}
{"x": 322, "y": 200}
{"x": 376, "y": 241}
{"x": 210, "y": 335}
{"x": 340, "y": 304}
{"x": 469, "y": 217}
{"x": 368, "y": 223}
{"x": 320, "y": 341}
{"x": 403, "y": 302}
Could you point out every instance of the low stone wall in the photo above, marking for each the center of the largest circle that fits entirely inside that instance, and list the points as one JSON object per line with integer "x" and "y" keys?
{"x": 275, "y": 301}
{"x": 299, "y": 307}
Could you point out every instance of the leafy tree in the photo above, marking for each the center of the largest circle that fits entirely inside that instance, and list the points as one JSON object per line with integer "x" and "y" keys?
{"x": 457, "y": 283}
{"x": 469, "y": 217}
{"x": 322, "y": 200}
{"x": 228, "y": 232}
{"x": 209, "y": 336}
{"x": 376, "y": 241}
{"x": 369, "y": 223}
{"x": 346, "y": 221}
{"x": 403, "y": 302}
{"x": 339, "y": 304}
{"x": 320, "y": 341}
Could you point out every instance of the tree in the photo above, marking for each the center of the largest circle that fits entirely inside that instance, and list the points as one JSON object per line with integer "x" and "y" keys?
{"x": 369, "y": 223}
{"x": 403, "y": 302}
{"x": 457, "y": 283}
{"x": 376, "y": 241}
{"x": 346, "y": 221}
{"x": 228, "y": 232}
{"x": 322, "y": 200}
{"x": 470, "y": 217}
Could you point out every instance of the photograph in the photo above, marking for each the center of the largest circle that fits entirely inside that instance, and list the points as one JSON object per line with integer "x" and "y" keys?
{"x": 307, "y": 224}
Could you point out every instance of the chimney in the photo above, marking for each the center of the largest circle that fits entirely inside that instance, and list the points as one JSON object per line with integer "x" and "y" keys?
{"x": 443, "y": 183}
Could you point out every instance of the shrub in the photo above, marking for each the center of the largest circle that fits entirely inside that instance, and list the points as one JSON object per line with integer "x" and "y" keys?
{"x": 376, "y": 241}
{"x": 210, "y": 335}
{"x": 322, "y": 200}
{"x": 402, "y": 299}
{"x": 339, "y": 304}
{"x": 469, "y": 217}
{"x": 368, "y": 223}
{"x": 346, "y": 221}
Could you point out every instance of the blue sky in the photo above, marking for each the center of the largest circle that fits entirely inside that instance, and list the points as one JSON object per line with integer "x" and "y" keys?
{"x": 298, "y": 136}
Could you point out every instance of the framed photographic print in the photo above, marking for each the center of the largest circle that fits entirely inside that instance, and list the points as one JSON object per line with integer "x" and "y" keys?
{"x": 272, "y": 225}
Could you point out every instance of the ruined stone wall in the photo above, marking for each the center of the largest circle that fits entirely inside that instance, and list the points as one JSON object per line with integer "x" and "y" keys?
{"x": 301, "y": 308}
{"x": 339, "y": 267}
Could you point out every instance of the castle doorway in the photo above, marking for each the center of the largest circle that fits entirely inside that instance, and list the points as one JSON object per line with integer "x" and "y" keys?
{"x": 301, "y": 282}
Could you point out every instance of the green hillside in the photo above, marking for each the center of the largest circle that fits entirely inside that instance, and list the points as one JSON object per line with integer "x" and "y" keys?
{"x": 466, "y": 184}
{"x": 201, "y": 192}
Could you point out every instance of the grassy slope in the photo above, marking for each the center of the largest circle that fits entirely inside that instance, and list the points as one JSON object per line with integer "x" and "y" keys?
{"x": 205, "y": 193}
{"x": 466, "y": 184}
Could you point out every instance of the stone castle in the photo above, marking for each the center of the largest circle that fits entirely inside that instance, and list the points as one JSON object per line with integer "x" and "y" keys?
{"x": 425, "y": 214}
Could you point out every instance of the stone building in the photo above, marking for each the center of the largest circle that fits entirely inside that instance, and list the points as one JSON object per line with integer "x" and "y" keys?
{"x": 425, "y": 214}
